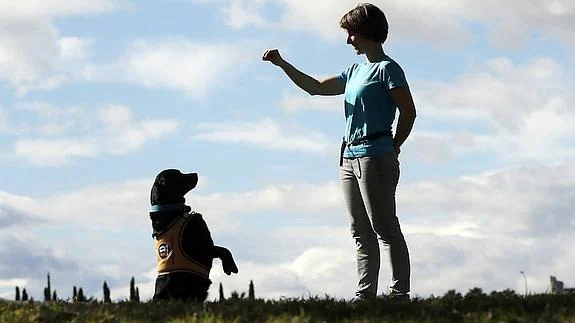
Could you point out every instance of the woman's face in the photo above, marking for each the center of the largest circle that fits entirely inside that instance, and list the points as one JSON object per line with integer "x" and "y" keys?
{"x": 357, "y": 41}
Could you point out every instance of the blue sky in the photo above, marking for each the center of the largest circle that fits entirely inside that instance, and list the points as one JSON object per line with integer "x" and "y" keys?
{"x": 96, "y": 98}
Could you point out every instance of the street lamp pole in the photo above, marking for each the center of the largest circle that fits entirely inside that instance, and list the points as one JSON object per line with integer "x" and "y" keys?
{"x": 525, "y": 280}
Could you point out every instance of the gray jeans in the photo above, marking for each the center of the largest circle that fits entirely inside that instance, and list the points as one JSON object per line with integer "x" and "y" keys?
{"x": 369, "y": 185}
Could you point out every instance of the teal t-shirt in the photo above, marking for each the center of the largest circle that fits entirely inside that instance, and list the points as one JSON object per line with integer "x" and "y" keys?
{"x": 369, "y": 106}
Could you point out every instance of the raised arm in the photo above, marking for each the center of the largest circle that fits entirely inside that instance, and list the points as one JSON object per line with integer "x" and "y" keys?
{"x": 328, "y": 86}
{"x": 227, "y": 259}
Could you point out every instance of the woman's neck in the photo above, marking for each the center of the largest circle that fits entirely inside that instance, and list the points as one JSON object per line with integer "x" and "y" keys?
{"x": 375, "y": 53}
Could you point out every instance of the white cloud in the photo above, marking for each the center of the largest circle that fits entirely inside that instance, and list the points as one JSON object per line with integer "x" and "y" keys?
{"x": 11, "y": 218}
{"x": 33, "y": 53}
{"x": 3, "y": 119}
{"x": 145, "y": 283}
{"x": 126, "y": 136}
{"x": 526, "y": 203}
{"x": 302, "y": 102}
{"x": 322, "y": 17}
{"x": 266, "y": 133}
{"x": 501, "y": 89}
{"x": 241, "y": 13}
{"x": 317, "y": 271}
{"x": 116, "y": 116}
{"x": 102, "y": 204}
{"x": 444, "y": 23}
{"x": 28, "y": 49}
{"x": 517, "y": 112}
{"x": 10, "y": 283}
{"x": 43, "y": 119}
{"x": 197, "y": 68}
{"x": 435, "y": 147}
{"x": 222, "y": 208}
{"x": 75, "y": 49}
{"x": 34, "y": 56}
{"x": 56, "y": 8}
{"x": 75, "y": 133}
{"x": 51, "y": 152}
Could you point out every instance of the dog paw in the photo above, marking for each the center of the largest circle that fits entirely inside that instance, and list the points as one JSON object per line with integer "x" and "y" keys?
{"x": 231, "y": 269}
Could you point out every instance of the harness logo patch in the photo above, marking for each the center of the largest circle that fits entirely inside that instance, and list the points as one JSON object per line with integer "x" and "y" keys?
{"x": 164, "y": 250}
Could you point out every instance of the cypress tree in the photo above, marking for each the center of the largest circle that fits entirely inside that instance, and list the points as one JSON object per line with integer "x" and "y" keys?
{"x": 221, "y": 292}
{"x": 47, "y": 296}
{"x": 81, "y": 297}
{"x": 132, "y": 290}
{"x": 17, "y": 298}
{"x": 54, "y": 296}
{"x": 24, "y": 295}
{"x": 137, "y": 294}
{"x": 106, "y": 293}
{"x": 251, "y": 294}
{"x": 49, "y": 291}
{"x": 75, "y": 294}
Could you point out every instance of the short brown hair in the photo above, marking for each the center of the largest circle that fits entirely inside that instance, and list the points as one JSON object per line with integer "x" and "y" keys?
{"x": 366, "y": 20}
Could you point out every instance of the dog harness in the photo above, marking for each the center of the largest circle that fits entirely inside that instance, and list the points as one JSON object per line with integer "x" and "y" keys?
{"x": 170, "y": 254}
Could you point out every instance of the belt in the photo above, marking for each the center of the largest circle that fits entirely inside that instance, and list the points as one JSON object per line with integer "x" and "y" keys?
{"x": 362, "y": 140}
{"x": 370, "y": 137}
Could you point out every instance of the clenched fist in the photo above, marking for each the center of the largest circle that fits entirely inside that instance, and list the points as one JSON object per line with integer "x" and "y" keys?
{"x": 273, "y": 55}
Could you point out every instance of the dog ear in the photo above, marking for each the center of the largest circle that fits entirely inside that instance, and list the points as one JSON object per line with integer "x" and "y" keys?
{"x": 154, "y": 195}
{"x": 159, "y": 183}
{"x": 158, "y": 187}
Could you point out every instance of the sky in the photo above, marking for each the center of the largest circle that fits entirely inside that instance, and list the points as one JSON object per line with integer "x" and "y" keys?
{"x": 97, "y": 97}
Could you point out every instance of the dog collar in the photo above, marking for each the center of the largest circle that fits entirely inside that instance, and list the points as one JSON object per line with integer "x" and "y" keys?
{"x": 167, "y": 207}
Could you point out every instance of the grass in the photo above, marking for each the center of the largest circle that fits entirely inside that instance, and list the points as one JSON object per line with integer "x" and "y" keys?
{"x": 475, "y": 306}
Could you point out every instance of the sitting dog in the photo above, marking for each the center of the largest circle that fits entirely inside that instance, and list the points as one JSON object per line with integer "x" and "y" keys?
{"x": 184, "y": 246}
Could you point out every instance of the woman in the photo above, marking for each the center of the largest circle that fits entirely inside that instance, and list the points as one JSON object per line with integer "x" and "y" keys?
{"x": 369, "y": 165}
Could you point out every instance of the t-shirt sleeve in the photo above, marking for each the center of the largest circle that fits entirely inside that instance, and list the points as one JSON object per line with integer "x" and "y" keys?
{"x": 393, "y": 76}
{"x": 345, "y": 74}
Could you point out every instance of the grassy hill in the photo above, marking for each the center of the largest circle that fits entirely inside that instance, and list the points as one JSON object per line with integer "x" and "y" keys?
{"x": 475, "y": 306}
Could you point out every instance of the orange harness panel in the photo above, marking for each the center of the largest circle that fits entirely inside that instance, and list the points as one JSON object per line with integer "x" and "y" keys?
{"x": 170, "y": 254}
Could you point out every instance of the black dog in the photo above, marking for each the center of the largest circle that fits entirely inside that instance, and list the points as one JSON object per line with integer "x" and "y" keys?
{"x": 184, "y": 246}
